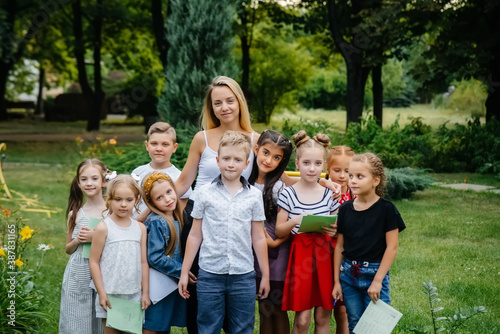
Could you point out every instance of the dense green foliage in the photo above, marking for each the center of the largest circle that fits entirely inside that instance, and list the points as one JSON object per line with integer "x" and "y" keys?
{"x": 467, "y": 97}
{"x": 473, "y": 147}
{"x": 200, "y": 37}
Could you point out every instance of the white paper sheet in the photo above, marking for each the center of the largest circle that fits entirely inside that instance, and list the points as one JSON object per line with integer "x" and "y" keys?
{"x": 160, "y": 285}
{"x": 378, "y": 318}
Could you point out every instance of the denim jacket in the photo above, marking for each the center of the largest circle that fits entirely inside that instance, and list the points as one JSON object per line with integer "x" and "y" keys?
{"x": 158, "y": 237}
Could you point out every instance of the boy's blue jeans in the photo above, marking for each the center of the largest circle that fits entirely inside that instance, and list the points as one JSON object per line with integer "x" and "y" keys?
{"x": 355, "y": 279}
{"x": 229, "y": 295}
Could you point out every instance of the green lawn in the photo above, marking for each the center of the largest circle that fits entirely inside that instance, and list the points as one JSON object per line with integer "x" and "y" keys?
{"x": 431, "y": 116}
{"x": 451, "y": 239}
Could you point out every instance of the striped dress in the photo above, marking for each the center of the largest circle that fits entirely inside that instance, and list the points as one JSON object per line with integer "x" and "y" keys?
{"x": 77, "y": 312}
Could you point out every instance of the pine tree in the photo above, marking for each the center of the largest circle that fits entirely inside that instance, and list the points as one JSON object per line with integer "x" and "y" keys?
{"x": 200, "y": 38}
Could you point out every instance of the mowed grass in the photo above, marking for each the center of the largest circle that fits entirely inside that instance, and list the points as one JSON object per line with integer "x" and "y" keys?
{"x": 430, "y": 116}
{"x": 451, "y": 239}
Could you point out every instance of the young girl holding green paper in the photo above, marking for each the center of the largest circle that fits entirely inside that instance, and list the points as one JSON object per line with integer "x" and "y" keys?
{"x": 118, "y": 256}
{"x": 77, "y": 313}
{"x": 311, "y": 254}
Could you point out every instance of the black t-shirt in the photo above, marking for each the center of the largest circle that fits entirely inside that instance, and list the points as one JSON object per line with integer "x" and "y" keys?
{"x": 364, "y": 231}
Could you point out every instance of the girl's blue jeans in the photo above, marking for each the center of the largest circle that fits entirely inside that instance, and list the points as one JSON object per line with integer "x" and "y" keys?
{"x": 232, "y": 295}
{"x": 356, "y": 278}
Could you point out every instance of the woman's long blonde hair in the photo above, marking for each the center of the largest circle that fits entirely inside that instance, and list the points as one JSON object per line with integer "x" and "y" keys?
{"x": 208, "y": 119}
{"x": 146, "y": 188}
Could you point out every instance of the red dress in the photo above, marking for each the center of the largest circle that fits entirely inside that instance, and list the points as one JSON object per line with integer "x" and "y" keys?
{"x": 309, "y": 278}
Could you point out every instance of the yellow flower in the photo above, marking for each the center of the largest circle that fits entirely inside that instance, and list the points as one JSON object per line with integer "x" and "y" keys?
{"x": 26, "y": 233}
{"x": 112, "y": 141}
{"x": 18, "y": 262}
{"x": 2, "y": 252}
{"x": 50, "y": 245}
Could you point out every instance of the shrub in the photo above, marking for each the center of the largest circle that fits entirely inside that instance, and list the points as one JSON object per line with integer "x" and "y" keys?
{"x": 133, "y": 154}
{"x": 472, "y": 147}
{"x": 21, "y": 302}
{"x": 468, "y": 98}
{"x": 403, "y": 182}
{"x": 325, "y": 89}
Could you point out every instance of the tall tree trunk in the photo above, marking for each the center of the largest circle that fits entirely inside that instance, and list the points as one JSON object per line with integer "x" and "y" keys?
{"x": 378, "y": 94}
{"x": 41, "y": 83}
{"x": 12, "y": 48}
{"x": 353, "y": 57}
{"x": 88, "y": 94}
{"x": 4, "y": 73}
{"x": 159, "y": 29}
{"x": 245, "y": 65}
{"x": 95, "y": 115}
{"x": 493, "y": 100}
{"x": 246, "y": 36}
{"x": 6, "y": 45}
{"x": 355, "y": 89}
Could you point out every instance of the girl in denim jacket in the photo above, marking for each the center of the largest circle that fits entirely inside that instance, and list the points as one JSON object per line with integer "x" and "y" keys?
{"x": 164, "y": 226}
{"x": 367, "y": 239}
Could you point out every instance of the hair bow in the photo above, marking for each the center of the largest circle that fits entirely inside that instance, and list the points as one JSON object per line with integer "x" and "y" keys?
{"x": 111, "y": 176}
{"x": 135, "y": 177}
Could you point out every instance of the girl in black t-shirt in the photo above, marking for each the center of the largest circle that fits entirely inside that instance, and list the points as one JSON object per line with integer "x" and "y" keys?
{"x": 367, "y": 239}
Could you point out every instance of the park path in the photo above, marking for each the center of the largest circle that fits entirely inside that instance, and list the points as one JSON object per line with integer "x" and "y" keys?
{"x": 468, "y": 186}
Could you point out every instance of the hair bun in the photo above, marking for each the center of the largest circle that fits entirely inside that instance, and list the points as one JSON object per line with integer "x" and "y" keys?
{"x": 322, "y": 139}
{"x": 300, "y": 138}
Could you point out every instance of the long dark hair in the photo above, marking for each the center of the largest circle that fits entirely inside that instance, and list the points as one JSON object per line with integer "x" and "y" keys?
{"x": 282, "y": 142}
{"x": 76, "y": 196}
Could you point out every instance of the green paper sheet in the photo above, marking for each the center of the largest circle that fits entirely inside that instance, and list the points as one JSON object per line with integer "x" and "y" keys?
{"x": 125, "y": 315}
{"x": 93, "y": 222}
{"x": 314, "y": 223}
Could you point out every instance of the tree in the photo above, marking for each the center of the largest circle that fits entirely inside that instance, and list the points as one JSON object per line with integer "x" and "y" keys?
{"x": 93, "y": 97}
{"x": 200, "y": 36}
{"x": 279, "y": 69}
{"x": 465, "y": 43}
{"x": 159, "y": 28}
{"x": 15, "y": 33}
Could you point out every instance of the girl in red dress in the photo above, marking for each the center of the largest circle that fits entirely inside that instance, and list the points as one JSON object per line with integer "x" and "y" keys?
{"x": 310, "y": 266}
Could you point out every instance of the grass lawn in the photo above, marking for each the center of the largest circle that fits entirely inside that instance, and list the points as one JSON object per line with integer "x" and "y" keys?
{"x": 451, "y": 239}
{"x": 431, "y": 116}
